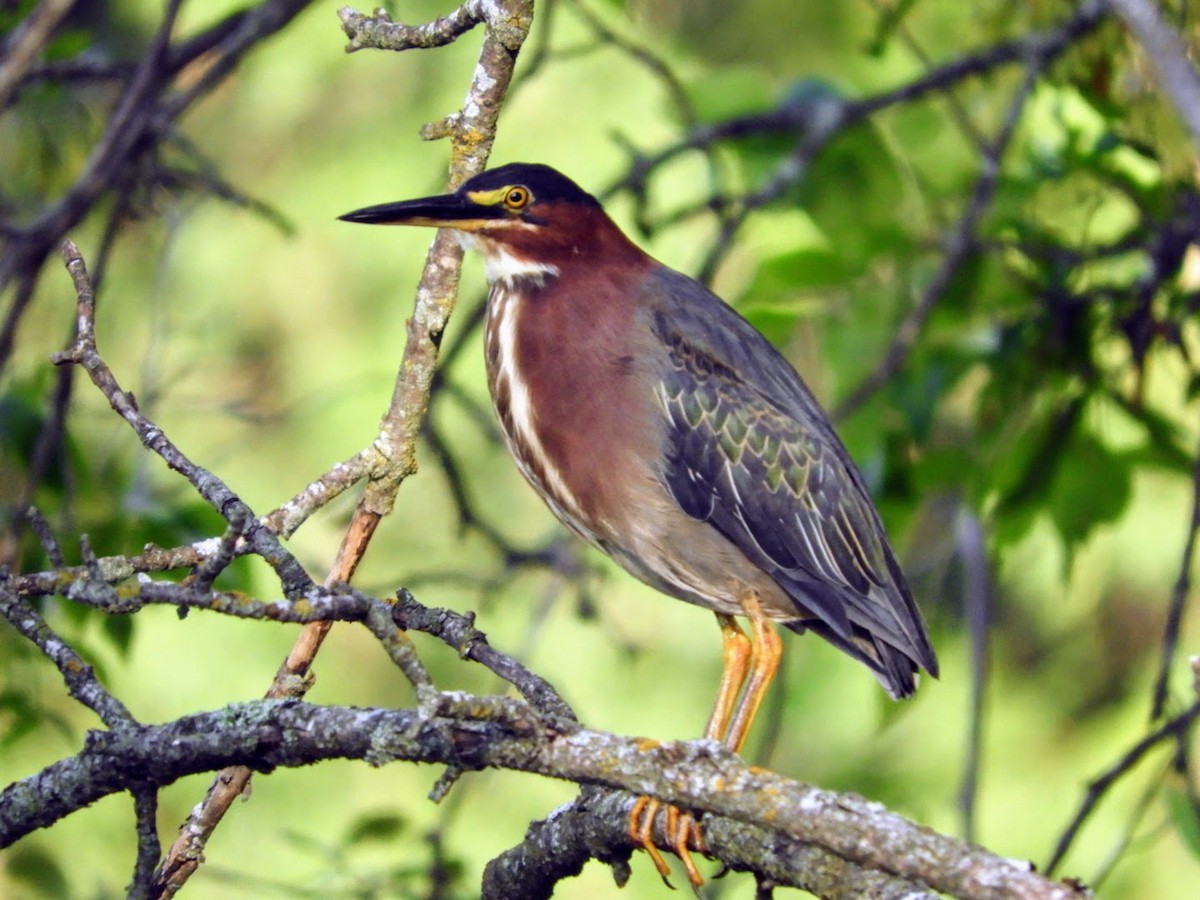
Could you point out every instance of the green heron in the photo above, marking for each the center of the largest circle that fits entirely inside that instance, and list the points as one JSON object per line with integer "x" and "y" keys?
{"x": 661, "y": 427}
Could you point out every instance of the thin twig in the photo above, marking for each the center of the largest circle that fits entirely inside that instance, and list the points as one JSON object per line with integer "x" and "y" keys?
{"x": 1179, "y": 597}
{"x": 291, "y": 574}
{"x": 22, "y": 46}
{"x": 459, "y": 632}
{"x": 795, "y": 119}
{"x": 1171, "y": 729}
{"x": 79, "y": 677}
{"x": 141, "y": 118}
{"x": 958, "y": 246}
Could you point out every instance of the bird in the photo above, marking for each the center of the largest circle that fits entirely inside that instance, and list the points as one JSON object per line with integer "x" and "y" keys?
{"x": 661, "y": 427}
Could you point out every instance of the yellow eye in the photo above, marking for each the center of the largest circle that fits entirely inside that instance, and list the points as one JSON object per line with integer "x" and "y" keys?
{"x": 516, "y": 198}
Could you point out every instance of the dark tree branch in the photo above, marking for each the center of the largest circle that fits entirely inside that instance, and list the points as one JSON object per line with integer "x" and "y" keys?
{"x": 265, "y": 544}
{"x": 19, "y": 49}
{"x": 145, "y": 805}
{"x": 1179, "y": 597}
{"x": 141, "y": 118}
{"x": 959, "y": 245}
{"x": 459, "y": 632}
{"x": 1042, "y": 47}
{"x": 1173, "y": 729}
{"x": 595, "y": 826}
{"x": 79, "y": 676}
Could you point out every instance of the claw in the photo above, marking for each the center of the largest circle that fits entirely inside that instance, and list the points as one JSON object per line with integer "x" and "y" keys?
{"x": 681, "y": 834}
{"x": 641, "y": 827}
{"x": 749, "y": 666}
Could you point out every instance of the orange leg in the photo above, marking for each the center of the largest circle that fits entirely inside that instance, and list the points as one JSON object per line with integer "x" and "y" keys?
{"x": 682, "y": 832}
{"x": 738, "y": 652}
{"x": 767, "y": 650}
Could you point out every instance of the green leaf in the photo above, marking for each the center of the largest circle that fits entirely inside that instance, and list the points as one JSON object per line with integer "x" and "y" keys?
{"x": 727, "y": 93}
{"x": 1185, "y": 817}
{"x": 891, "y": 17}
{"x": 119, "y": 630}
{"x": 808, "y": 269}
{"x": 1026, "y": 472}
{"x": 855, "y": 196}
{"x": 1165, "y": 444}
{"x": 1091, "y": 486}
{"x": 375, "y": 827}
{"x": 37, "y": 870}
{"x": 21, "y": 423}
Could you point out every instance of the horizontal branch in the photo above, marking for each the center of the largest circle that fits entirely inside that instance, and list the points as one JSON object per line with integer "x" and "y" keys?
{"x": 827, "y": 115}
{"x": 470, "y": 732}
{"x": 378, "y": 32}
{"x": 596, "y": 826}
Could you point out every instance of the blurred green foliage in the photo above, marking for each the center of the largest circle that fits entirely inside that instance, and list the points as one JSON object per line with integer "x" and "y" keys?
{"x": 1050, "y": 395}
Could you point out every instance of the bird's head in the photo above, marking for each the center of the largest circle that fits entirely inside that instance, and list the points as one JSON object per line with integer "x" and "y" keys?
{"x": 528, "y": 220}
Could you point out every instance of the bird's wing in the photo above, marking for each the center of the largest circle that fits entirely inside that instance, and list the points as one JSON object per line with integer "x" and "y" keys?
{"x": 750, "y": 451}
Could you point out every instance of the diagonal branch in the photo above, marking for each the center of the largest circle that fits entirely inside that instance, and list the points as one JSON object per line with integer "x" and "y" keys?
{"x": 1179, "y": 597}
{"x": 23, "y": 45}
{"x": 959, "y": 245}
{"x": 1174, "y": 729}
{"x": 392, "y": 457}
{"x": 291, "y": 574}
{"x": 1169, "y": 56}
{"x": 79, "y": 676}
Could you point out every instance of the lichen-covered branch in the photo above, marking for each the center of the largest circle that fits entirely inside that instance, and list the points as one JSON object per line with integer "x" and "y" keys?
{"x": 84, "y": 353}
{"x": 78, "y": 675}
{"x": 596, "y": 826}
{"x": 471, "y": 732}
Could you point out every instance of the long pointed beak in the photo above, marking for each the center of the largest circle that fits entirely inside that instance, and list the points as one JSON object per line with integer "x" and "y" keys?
{"x": 444, "y": 211}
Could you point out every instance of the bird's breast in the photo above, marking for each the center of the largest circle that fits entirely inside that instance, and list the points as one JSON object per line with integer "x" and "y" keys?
{"x": 513, "y": 397}
{"x": 573, "y": 404}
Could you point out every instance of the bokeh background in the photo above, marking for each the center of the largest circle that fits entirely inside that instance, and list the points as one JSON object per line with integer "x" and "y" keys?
{"x": 266, "y": 346}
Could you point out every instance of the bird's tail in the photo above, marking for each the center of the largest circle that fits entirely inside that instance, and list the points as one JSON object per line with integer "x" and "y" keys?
{"x": 895, "y": 669}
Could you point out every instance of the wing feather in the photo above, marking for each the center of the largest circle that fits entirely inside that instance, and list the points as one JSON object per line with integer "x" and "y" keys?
{"x": 750, "y": 451}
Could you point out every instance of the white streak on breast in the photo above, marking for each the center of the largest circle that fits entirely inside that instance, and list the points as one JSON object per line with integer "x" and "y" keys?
{"x": 523, "y": 440}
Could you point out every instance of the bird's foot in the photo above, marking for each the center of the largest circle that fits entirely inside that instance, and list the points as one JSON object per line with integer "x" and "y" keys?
{"x": 681, "y": 835}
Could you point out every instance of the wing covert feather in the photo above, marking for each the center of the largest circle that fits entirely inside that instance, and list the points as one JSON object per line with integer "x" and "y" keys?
{"x": 750, "y": 451}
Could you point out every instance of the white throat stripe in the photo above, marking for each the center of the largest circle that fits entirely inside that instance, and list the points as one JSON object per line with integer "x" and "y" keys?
{"x": 499, "y": 265}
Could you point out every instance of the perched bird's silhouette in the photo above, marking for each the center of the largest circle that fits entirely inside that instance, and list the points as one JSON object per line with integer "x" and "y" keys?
{"x": 661, "y": 427}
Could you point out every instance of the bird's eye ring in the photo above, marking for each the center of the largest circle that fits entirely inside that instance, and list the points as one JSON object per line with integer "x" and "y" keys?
{"x": 516, "y": 198}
